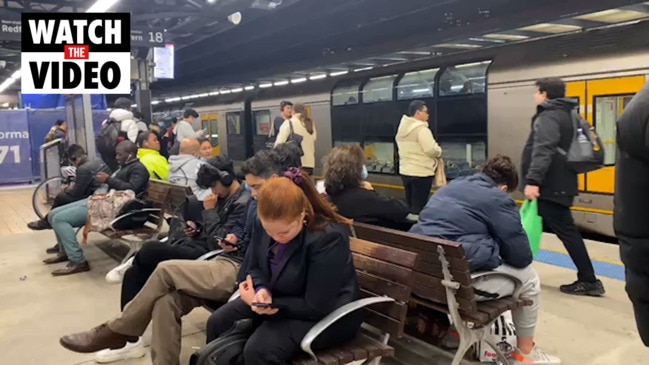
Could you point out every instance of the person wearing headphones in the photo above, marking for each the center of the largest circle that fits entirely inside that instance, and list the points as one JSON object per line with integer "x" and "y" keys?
{"x": 149, "y": 154}
{"x": 131, "y": 175}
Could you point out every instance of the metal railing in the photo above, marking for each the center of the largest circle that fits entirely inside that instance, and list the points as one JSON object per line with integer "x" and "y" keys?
{"x": 51, "y": 159}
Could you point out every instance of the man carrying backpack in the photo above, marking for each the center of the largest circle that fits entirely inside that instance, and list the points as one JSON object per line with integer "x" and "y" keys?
{"x": 547, "y": 177}
{"x": 119, "y": 127}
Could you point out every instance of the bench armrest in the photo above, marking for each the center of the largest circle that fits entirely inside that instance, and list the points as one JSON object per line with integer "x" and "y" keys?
{"x": 334, "y": 316}
{"x": 518, "y": 285}
{"x": 235, "y": 295}
{"x": 134, "y": 213}
{"x": 210, "y": 255}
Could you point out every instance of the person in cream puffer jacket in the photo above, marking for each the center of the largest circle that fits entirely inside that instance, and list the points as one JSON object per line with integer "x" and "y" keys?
{"x": 418, "y": 155}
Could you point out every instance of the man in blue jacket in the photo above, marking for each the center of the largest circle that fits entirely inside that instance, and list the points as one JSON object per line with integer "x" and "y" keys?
{"x": 631, "y": 202}
{"x": 478, "y": 213}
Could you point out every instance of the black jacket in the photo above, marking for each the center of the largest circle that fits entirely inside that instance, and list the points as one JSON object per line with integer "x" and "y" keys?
{"x": 85, "y": 182}
{"x": 368, "y": 206}
{"x": 220, "y": 221}
{"x": 316, "y": 272}
{"x": 542, "y": 165}
{"x": 132, "y": 176}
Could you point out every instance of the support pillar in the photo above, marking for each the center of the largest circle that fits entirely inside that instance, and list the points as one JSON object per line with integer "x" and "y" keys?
{"x": 78, "y": 111}
{"x": 142, "y": 90}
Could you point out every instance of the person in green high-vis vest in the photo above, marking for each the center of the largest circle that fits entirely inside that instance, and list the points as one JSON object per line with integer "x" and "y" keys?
{"x": 149, "y": 155}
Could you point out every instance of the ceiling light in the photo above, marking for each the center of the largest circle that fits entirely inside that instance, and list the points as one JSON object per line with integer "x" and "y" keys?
{"x": 235, "y": 18}
{"x": 487, "y": 40}
{"x": 16, "y": 75}
{"x": 171, "y": 100}
{"x": 338, "y": 73}
{"x": 266, "y": 85}
{"x": 281, "y": 83}
{"x": 551, "y": 28}
{"x": 203, "y": 95}
{"x": 507, "y": 37}
{"x": 458, "y": 45}
{"x": 237, "y": 90}
{"x": 416, "y": 53}
{"x": 155, "y": 102}
{"x": 101, "y": 6}
{"x": 614, "y": 16}
{"x": 133, "y": 105}
{"x": 318, "y": 77}
{"x": 363, "y": 69}
{"x": 225, "y": 91}
{"x": 297, "y": 81}
{"x": 213, "y": 93}
{"x": 248, "y": 88}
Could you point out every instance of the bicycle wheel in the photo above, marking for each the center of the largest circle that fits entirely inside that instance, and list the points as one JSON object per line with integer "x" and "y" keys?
{"x": 44, "y": 195}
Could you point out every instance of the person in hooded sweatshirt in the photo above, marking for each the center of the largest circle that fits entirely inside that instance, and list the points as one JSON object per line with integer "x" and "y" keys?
{"x": 418, "y": 155}
{"x": 546, "y": 177}
{"x": 122, "y": 113}
{"x": 631, "y": 202}
{"x": 183, "y": 168}
{"x": 149, "y": 154}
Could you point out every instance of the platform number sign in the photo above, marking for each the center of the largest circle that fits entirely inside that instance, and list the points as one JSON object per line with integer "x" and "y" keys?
{"x": 76, "y": 53}
{"x": 156, "y": 37}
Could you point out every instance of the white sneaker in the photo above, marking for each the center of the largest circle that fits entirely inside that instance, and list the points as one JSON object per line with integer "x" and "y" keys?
{"x": 130, "y": 351}
{"x": 536, "y": 357}
{"x": 116, "y": 275}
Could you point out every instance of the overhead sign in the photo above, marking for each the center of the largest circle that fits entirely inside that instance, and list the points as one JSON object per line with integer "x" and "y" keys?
{"x": 163, "y": 57}
{"x": 76, "y": 53}
{"x": 10, "y": 29}
{"x": 148, "y": 37}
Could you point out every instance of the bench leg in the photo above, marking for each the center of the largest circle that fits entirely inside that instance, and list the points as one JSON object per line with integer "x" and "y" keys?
{"x": 384, "y": 340}
{"x": 468, "y": 338}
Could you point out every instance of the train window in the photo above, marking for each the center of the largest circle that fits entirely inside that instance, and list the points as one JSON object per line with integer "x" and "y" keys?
{"x": 380, "y": 156}
{"x": 378, "y": 89}
{"x": 467, "y": 79}
{"x": 262, "y": 122}
{"x": 419, "y": 84}
{"x": 210, "y": 124}
{"x": 346, "y": 94}
{"x": 233, "y": 121}
{"x": 607, "y": 111}
{"x": 463, "y": 158}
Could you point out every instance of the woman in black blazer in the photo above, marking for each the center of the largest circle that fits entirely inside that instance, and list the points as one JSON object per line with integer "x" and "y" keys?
{"x": 302, "y": 265}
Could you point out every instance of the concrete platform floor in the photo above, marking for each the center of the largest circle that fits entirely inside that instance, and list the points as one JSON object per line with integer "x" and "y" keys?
{"x": 36, "y": 308}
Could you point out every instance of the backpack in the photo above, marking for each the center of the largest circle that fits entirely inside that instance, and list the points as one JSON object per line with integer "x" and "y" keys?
{"x": 227, "y": 349}
{"x": 108, "y": 138}
{"x": 586, "y": 152}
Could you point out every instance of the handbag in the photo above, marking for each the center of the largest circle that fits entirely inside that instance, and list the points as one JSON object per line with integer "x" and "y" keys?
{"x": 532, "y": 224}
{"x": 440, "y": 174}
{"x": 503, "y": 334}
{"x": 295, "y": 138}
{"x": 103, "y": 208}
{"x": 227, "y": 349}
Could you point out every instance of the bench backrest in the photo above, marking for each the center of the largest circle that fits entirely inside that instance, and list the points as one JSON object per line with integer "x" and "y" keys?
{"x": 428, "y": 269}
{"x": 384, "y": 271}
{"x": 167, "y": 196}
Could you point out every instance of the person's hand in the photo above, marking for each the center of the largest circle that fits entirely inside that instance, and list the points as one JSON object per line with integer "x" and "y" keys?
{"x": 191, "y": 230}
{"x": 230, "y": 238}
{"x": 102, "y": 177}
{"x": 366, "y": 185}
{"x": 210, "y": 201}
{"x": 247, "y": 290}
{"x": 263, "y": 296}
{"x": 532, "y": 192}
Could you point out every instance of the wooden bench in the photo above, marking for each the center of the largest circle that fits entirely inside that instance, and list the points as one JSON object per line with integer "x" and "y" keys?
{"x": 385, "y": 277}
{"x": 443, "y": 282}
{"x": 167, "y": 199}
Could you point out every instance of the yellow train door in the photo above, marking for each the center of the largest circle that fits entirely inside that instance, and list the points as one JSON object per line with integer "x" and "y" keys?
{"x": 210, "y": 124}
{"x": 606, "y": 99}
{"x": 577, "y": 90}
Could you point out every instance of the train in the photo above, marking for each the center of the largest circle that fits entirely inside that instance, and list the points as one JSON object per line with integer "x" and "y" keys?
{"x": 480, "y": 104}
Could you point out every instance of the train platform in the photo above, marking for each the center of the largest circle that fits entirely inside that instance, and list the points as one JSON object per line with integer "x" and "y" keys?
{"x": 38, "y": 308}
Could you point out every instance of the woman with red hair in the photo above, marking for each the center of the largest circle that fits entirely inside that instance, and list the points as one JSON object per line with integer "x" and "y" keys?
{"x": 301, "y": 269}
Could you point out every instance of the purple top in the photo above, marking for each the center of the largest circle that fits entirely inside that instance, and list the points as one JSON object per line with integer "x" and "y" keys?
{"x": 274, "y": 259}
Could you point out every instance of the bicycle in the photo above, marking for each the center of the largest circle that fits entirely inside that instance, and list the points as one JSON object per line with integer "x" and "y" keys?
{"x": 48, "y": 189}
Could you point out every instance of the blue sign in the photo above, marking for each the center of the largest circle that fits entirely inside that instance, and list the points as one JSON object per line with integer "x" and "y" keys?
{"x": 15, "y": 151}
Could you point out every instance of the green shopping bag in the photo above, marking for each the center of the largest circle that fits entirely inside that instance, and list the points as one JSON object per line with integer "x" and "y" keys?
{"x": 532, "y": 224}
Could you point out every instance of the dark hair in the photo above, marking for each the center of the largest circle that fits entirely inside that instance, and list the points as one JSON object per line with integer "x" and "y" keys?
{"x": 210, "y": 172}
{"x": 142, "y": 138}
{"x": 343, "y": 169}
{"x": 59, "y": 122}
{"x": 123, "y": 103}
{"x": 284, "y": 104}
{"x": 263, "y": 164}
{"x": 553, "y": 86}
{"x": 287, "y": 197}
{"x": 75, "y": 152}
{"x": 304, "y": 118}
{"x": 138, "y": 115}
{"x": 190, "y": 113}
{"x": 289, "y": 155}
{"x": 415, "y": 106}
{"x": 202, "y": 140}
{"x": 128, "y": 147}
{"x": 501, "y": 169}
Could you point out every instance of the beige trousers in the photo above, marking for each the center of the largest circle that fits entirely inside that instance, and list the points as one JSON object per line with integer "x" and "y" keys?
{"x": 173, "y": 290}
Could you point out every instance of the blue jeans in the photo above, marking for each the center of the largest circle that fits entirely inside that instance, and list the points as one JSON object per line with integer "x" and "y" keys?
{"x": 64, "y": 220}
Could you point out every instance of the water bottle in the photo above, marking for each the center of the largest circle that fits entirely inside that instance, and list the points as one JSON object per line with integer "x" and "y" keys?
{"x": 581, "y": 137}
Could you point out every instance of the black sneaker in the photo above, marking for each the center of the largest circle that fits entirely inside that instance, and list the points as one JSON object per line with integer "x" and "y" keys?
{"x": 53, "y": 250}
{"x": 595, "y": 289}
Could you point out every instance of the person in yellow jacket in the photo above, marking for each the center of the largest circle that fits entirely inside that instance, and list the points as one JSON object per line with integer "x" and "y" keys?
{"x": 149, "y": 155}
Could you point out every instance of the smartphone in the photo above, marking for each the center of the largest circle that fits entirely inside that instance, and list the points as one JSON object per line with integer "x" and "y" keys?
{"x": 226, "y": 242}
{"x": 263, "y": 305}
